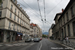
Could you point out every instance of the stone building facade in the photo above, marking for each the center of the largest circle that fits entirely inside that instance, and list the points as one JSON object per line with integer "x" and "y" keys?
{"x": 37, "y": 31}
{"x": 14, "y": 22}
{"x": 50, "y": 32}
{"x": 66, "y": 22}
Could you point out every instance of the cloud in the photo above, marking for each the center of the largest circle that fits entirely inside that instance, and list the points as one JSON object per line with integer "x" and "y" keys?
{"x": 52, "y": 7}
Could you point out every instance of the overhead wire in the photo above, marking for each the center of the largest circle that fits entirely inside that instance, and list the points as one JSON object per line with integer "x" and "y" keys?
{"x": 39, "y": 10}
{"x": 25, "y": 7}
{"x": 30, "y": 6}
{"x": 54, "y": 7}
{"x": 44, "y": 11}
{"x": 40, "y": 14}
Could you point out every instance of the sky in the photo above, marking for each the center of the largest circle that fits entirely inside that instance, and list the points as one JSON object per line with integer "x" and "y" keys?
{"x": 51, "y": 8}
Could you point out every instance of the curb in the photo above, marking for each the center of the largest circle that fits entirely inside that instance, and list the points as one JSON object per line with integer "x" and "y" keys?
{"x": 62, "y": 44}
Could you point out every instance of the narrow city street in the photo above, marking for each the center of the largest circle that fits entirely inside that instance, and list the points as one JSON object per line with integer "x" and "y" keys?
{"x": 45, "y": 44}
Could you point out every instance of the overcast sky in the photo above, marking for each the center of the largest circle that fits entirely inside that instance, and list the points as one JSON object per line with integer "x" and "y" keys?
{"x": 51, "y": 8}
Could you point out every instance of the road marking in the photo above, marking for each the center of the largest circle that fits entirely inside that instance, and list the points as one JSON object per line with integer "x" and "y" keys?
{"x": 32, "y": 44}
{"x": 29, "y": 45}
{"x": 16, "y": 44}
{"x": 8, "y": 45}
{"x": 62, "y": 44}
{"x": 40, "y": 46}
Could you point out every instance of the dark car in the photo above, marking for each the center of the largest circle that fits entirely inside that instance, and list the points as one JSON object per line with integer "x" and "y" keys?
{"x": 31, "y": 39}
{"x": 28, "y": 40}
{"x": 36, "y": 39}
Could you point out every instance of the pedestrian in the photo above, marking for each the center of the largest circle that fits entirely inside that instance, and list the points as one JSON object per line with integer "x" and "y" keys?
{"x": 67, "y": 39}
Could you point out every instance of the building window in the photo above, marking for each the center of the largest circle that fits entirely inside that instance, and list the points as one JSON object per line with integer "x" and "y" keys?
{"x": 17, "y": 28}
{"x": 64, "y": 19}
{"x": 14, "y": 27}
{"x": 68, "y": 30}
{"x": 0, "y": 13}
{"x": 1, "y": 4}
{"x": 20, "y": 21}
{"x": 10, "y": 15}
{"x": 72, "y": 12}
{"x": 14, "y": 17}
{"x": 11, "y": 7}
{"x": 74, "y": 28}
{"x": 67, "y": 16}
{"x": 15, "y": 10}
{"x": 18, "y": 13}
{"x": 9, "y": 25}
{"x": 65, "y": 31}
{"x": 17, "y": 19}
{"x": 21, "y": 15}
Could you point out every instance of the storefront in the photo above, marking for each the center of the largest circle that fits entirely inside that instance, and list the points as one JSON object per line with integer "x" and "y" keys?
{"x": 19, "y": 36}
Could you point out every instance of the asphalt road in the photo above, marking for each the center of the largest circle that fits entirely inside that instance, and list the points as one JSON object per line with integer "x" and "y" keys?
{"x": 45, "y": 44}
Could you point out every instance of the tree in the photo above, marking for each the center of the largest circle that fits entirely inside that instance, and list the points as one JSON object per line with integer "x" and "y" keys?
{"x": 45, "y": 36}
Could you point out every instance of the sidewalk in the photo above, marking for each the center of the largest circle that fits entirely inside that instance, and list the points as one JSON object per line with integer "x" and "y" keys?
{"x": 12, "y": 42}
{"x": 70, "y": 45}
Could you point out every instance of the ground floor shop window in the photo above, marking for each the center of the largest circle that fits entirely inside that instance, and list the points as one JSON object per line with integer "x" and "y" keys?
{"x": 8, "y": 37}
{"x": 1, "y": 36}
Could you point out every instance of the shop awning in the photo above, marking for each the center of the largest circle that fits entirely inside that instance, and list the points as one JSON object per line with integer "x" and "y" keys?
{"x": 19, "y": 33}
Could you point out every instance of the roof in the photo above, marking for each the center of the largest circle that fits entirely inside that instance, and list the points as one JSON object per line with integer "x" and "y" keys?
{"x": 57, "y": 15}
{"x": 33, "y": 24}
{"x": 67, "y": 7}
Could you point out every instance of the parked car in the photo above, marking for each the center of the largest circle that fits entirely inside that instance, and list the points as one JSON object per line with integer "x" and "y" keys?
{"x": 36, "y": 39}
{"x": 31, "y": 39}
{"x": 28, "y": 40}
{"x": 40, "y": 39}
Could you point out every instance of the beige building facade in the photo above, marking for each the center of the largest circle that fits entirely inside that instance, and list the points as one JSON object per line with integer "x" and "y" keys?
{"x": 66, "y": 22}
{"x": 15, "y": 23}
{"x": 50, "y": 33}
{"x": 37, "y": 31}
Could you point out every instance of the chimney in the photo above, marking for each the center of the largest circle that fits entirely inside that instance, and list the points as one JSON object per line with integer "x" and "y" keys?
{"x": 62, "y": 10}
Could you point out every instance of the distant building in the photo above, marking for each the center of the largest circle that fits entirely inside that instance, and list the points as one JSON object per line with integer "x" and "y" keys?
{"x": 50, "y": 31}
{"x": 37, "y": 32}
{"x": 66, "y": 22}
{"x": 55, "y": 28}
{"x": 14, "y": 22}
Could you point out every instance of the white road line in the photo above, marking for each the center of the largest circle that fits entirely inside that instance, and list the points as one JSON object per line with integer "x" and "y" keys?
{"x": 40, "y": 46}
{"x": 32, "y": 44}
{"x": 16, "y": 44}
{"x": 8, "y": 45}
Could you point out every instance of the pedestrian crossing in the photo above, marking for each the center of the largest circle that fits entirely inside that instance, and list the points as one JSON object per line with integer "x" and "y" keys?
{"x": 18, "y": 44}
